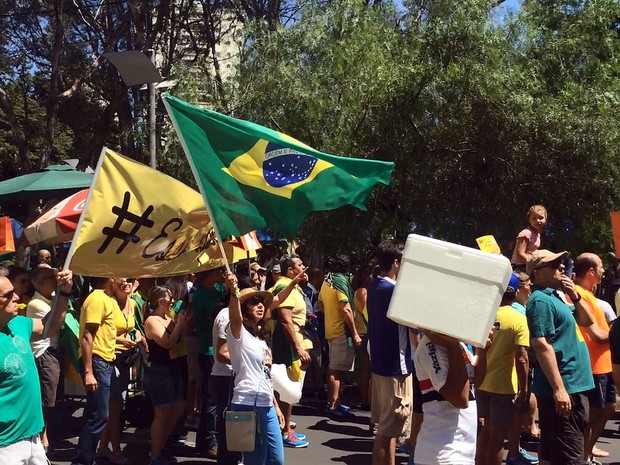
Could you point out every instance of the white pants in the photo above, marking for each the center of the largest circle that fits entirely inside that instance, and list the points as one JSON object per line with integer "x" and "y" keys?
{"x": 26, "y": 452}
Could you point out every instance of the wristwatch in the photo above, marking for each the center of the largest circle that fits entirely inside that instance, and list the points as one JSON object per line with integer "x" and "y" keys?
{"x": 577, "y": 299}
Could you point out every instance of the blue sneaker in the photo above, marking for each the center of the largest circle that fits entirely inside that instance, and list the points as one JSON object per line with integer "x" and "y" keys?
{"x": 292, "y": 440}
{"x": 301, "y": 436}
{"x": 340, "y": 414}
{"x": 522, "y": 459}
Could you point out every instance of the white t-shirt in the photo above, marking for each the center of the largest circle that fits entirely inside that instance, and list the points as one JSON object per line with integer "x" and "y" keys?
{"x": 39, "y": 307}
{"x": 448, "y": 434}
{"x": 220, "y": 328}
{"x": 251, "y": 361}
{"x": 609, "y": 311}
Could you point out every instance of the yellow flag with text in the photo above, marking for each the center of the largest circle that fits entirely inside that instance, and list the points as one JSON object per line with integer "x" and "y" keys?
{"x": 139, "y": 222}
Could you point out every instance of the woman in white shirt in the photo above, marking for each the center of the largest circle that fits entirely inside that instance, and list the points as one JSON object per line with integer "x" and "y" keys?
{"x": 251, "y": 361}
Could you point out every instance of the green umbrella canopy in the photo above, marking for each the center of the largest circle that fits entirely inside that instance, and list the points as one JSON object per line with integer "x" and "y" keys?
{"x": 55, "y": 181}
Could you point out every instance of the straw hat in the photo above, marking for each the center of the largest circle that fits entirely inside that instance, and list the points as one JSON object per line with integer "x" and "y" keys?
{"x": 250, "y": 292}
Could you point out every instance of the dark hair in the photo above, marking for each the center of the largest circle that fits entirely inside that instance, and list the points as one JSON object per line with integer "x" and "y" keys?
{"x": 361, "y": 278}
{"x": 155, "y": 295}
{"x": 15, "y": 271}
{"x": 388, "y": 251}
{"x": 339, "y": 263}
{"x": 261, "y": 330}
{"x": 582, "y": 264}
{"x": 286, "y": 262}
{"x": 178, "y": 287}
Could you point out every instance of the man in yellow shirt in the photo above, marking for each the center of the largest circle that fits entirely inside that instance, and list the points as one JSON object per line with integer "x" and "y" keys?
{"x": 504, "y": 389}
{"x": 336, "y": 301}
{"x": 290, "y": 318}
{"x": 97, "y": 343}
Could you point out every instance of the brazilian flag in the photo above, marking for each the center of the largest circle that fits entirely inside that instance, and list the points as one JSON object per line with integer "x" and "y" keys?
{"x": 252, "y": 176}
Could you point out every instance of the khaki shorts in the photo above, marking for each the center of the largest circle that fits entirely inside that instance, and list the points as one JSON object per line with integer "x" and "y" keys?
{"x": 392, "y": 401}
{"x": 341, "y": 356}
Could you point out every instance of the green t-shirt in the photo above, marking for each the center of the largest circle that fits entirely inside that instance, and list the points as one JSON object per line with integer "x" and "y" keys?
{"x": 203, "y": 300}
{"x": 548, "y": 315}
{"x": 21, "y": 415}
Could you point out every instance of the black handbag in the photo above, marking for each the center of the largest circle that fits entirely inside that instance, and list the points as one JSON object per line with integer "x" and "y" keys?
{"x": 128, "y": 357}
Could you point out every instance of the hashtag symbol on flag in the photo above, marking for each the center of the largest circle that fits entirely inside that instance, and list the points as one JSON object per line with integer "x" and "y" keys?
{"x": 123, "y": 214}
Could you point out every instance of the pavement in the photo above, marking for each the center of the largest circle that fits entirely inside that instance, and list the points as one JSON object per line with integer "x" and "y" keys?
{"x": 331, "y": 442}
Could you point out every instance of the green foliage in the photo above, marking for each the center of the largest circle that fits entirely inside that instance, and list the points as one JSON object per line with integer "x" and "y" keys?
{"x": 482, "y": 118}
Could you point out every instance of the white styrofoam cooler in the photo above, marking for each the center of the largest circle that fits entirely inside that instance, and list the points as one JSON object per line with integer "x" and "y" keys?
{"x": 449, "y": 288}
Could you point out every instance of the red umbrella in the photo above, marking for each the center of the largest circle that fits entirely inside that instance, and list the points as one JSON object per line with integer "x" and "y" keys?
{"x": 59, "y": 223}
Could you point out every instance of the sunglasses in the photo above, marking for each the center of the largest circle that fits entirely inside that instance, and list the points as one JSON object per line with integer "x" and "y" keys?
{"x": 127, "y": 281}
{"x": 555, "y": 264}
{"x": 8, "y": 295}
{"x": 256, "y": 300}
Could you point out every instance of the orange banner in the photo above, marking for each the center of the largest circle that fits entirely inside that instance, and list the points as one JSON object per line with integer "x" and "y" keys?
{"x": 615, "y": 227}
{"x": 7, "y": 244}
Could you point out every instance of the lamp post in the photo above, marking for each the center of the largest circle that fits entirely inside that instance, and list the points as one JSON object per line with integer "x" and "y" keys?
{"x": 137, "y": 68}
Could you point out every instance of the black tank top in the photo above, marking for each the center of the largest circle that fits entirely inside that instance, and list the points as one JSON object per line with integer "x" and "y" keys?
{"x": 158, "y": 355}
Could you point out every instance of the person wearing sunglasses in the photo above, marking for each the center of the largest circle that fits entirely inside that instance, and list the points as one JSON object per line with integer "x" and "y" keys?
{"x": 562, "y": 372}
{"x": 21, "y": 416}
{"x": 251, "y": 361}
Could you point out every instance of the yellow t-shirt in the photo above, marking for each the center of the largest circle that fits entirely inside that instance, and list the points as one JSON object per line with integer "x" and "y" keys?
{"x": 334, "y": 321}
{"x": 297, "y": 303}
{"x": 361, "y": 317}
{"x": 501, "y": 377}
{"x": 124, "y": 325}
{"x": 99, "y": 309}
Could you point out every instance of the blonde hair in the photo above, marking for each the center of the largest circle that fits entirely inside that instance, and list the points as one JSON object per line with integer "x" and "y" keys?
{"x": 536, "y": 209}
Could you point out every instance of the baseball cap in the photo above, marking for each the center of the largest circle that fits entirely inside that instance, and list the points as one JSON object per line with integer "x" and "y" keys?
{"x": 255, "y": 266}
{"x": 276, "y": 268}
{"x": 513, "y": 284}
{"x": 542, "y": 257}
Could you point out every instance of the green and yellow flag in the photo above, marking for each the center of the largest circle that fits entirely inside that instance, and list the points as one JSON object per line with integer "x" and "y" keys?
{"x": 138, "y": 222}
{"x": 253, "y": 177}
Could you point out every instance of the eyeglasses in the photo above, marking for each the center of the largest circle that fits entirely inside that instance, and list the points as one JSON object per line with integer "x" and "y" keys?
{"x": 555, "y": 264}
{"x": 256, "y": 300}
{"x": 8, "y": 295}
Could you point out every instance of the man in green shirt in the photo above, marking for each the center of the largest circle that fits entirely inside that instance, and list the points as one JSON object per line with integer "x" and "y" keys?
{"x": 562, "y": 372}
{"x": 209, "y": 289}
{"x": 21, "y": 415}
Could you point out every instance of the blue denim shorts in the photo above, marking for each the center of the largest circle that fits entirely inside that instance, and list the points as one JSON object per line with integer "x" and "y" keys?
{"x": 163, "y": 384}
{"x": 119, "y": 382}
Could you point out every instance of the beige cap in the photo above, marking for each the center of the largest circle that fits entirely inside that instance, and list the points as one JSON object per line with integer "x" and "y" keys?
{"x": 255, "y": 266}
{"x": 540, "y": 258}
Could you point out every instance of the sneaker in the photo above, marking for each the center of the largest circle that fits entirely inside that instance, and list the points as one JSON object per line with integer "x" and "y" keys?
{"x": 340, "y": 414}
{"x": 166, "y": 455}
{"x": 521, "y": 460}
{"x": 292, "y": 425}
{"x": 404, "y": 448}
{"x": 593, "y": 461}
{"x": 527, "y": 456}
{"x": 211, "y": 453}
{"x": 119, "y": 459}
{"x": 104, "y": 454}
{"x": 159, "y": 461}
{"x": 301, "y": 436}
{"x": 293, "y": 441}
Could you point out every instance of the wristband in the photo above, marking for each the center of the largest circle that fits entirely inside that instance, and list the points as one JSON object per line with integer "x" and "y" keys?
{"x": 65, "y": 294}
{"x": 236, "y": 292}
{"x": 577, "y": 299}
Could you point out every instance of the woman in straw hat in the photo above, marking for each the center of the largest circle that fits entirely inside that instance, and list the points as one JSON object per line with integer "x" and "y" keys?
{"x": 251, "y": 361}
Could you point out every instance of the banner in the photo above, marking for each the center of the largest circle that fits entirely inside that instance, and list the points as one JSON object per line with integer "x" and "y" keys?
{"x": 138, "y": 222}
{"x": 7, "y": 244}
{"x": 615, "y": 227}
{"x": 252, "y": 176}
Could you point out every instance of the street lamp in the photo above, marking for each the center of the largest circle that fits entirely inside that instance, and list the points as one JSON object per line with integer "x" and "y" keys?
{"x": 137, "y": 68}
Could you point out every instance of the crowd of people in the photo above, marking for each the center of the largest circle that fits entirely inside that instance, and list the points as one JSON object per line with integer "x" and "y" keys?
{"x": 209, "y": 343}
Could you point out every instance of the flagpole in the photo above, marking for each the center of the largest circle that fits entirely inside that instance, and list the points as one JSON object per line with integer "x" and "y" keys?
{"x": 69, "y": 256}
{"x": 164, "y": 98}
